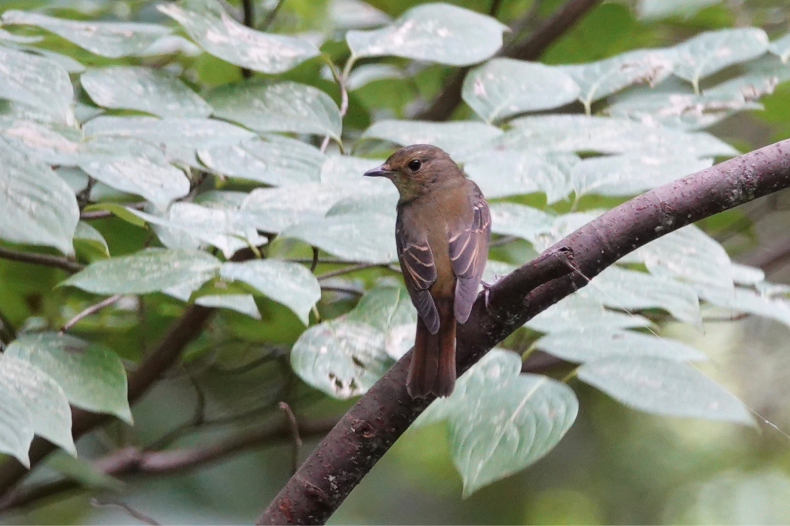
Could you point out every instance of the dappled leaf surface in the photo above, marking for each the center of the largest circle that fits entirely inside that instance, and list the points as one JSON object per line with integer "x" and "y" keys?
{"x": 37, "y": 81}
{"x": 584, "y": 345}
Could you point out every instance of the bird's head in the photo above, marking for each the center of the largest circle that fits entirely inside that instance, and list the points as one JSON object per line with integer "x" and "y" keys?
{"x": 416, "y": 169}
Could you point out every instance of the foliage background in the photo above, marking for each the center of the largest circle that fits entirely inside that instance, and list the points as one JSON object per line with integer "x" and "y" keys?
{"x": 614, "y": 466}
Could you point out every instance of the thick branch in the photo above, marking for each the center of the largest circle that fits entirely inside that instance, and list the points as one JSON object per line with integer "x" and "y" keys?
{"x": 370, "y": 427}
{"x": 530, "y": 48}
{"x": 132, "y": 461}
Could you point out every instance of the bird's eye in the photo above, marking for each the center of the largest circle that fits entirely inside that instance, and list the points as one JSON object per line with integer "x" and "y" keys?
{"x": 415, "y": 165}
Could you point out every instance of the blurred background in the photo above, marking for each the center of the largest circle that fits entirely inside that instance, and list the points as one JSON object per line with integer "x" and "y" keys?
{"x": 616, "y": 465}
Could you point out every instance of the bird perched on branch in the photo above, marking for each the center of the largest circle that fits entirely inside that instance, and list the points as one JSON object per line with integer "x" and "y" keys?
{"x": 442, "y": 235}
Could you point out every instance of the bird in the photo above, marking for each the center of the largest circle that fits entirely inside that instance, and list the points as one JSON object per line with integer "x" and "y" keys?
{"x": 442, "y": 233}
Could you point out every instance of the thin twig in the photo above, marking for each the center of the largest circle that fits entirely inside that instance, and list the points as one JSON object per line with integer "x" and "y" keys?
{"x": 314, "y": 261}
{"x": 297, "y": 441}
{"x": 494, "y": 8}
{"x": 344, "y": 290}
{"x": 90, "y": 310}
{"x": 96, "y": 503}
{"x": 41, "y": 259}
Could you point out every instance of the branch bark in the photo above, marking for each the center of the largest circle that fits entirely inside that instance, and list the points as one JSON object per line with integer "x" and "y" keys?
{"x": 41, "y": 259}
{"x": 530, "y": 48}
{"x": 373, "y": 424}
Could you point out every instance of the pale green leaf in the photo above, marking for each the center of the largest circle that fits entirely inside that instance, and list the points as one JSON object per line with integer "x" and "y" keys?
{"x": 602, "y": 78}
{"x": 36, "y": 205}
{"x": 219, "y": 34}
{"x": 367, "y": 73}
{"x": 366, "y": 236}
{"x": 37, "y": 81}
{"x": 46, "y": 402}
{"x": 781, "y": 47}
{"x": 180, "y": 138}
{"x": 290, "y": 284}
{"x": 19, "y": 39}
{"x": 631, "y": 174}
{"x": 511, "y": 219}
{"x": 436, "y": 32}
{"x": 16, "y": 425}
{"x": 750, "y": 301}
{"x": 584, "y": 345}
{"x": 581, "y": 311}
{"x": 151, "y": 270}
{"x": 666, "y": 387}
{"x": 345, "y": 169}
{"x": 713, "y": 51}
{"x": 658, "y": 9}
{"x": 282, "y": 106}
{"x": 89, "y": 235}
{"x": 91, "y": 375}
{"x": 580, "y": 133}
{"x": 355, "y": 14}
{"x": 274, "y": 160}
{"x": 243, "y": 303}
{"x": 504, "y": 87}
{"x": 108, "y": 39}
{"x": 509, "y": 173}
{"x": 157, "y": 181}
{"x": 458, "y": 138}
{"x": 143, "y": 89}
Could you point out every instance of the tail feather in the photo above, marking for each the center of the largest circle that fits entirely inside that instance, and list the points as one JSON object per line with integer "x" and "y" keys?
{"x": 432, "y": 368}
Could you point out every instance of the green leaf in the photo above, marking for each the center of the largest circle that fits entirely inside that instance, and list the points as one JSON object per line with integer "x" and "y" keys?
{"x": 181, "y": 138}
{"x": 274, "y": 160}
{"x": 511, "y": 219}
{"x": 666, "y": 387}
{"x": 290, "y": 284}
{"x": 631, "y": 174}
{"x": 713, "y": 51}
{"x": 602, "y": 78}
{"x": 742, "y": 299}
{"x": 367, "y": 73}
{"x": 157, "y": 181}
{"x": 689, "y": 255}
{"x": 150, "y": 270}
{"x": 37, "y": 81}
{"x": 579, "y": 133}
{"x": 16, "y": 425}
{"x": 49, "y": 409}
{"x": 91, "y": 375}
{"x": 364, "y": 236}
{"x": 623, "y": 289}
{"x": 83, "y": 471}
{"x": 508, "y": 173}
{"x": 143, "y": 89}
{"x": 435, "y": 32}
{"x": 504, "y": 87}
{"x": 108, "y": 39}
{"x": 355, "y": 14}
{"x": 581, "y": 311}
{"x": 20, "y": 39}
{"x": 282, "y": 106}
{"x": 243, "y": 303}
{"x": 458, "y": 138}
{"x": 781, "y": 47}
{"x": 219, "y": 34}
{"x": 36, "y": 205}
{"x": 344, "y": 357}
{"x": 658, "y": 9}
{"x": 85, "y": 233}
{"x": 119, "y": 210}
{"x": 587, "y": 345}
{"x": 345, "y": 169}
{"x": 49, "y": 143}
{"x": 501, "y": 421}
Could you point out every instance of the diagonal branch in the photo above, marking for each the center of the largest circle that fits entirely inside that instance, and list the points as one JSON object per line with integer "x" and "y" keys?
{"x": 373, "y": 424}
{"x": 530, "y": 48}
{"x": 41, "y": 259}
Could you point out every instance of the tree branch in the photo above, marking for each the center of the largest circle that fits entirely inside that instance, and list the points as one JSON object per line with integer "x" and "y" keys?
{"x": 371, "y": 426}
{"x": 249, "y": 21}
{"x": 530, "y": 48}
{"x": 41, "y": 259}
{"x": 132, "y": 461}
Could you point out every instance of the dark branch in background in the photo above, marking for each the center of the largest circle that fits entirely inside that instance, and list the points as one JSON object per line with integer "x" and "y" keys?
{"x": 96, "y": 503}
{"x": 293, "y": 425}
{"x": 493, "y": 9}
{"x": 131, "y": 461}
{"x": 249, "y": 21}
{"x": 380, "y": 416}
{"x": 41, "y": 259}
{"x": 530, "y": 48}
{"x": 270, "y": 16}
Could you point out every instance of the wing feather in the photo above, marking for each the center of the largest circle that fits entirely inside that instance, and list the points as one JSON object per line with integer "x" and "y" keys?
{"x": 419, "y": 273}
{"x": 469, "y": 252}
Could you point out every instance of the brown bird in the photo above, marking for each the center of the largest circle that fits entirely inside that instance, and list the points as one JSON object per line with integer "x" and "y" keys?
{"x": 442, "y": 235}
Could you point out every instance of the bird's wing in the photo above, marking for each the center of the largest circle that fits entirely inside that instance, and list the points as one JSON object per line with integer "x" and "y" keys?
{"x": 419, "y": 273}
{"x": 469, "y": 252}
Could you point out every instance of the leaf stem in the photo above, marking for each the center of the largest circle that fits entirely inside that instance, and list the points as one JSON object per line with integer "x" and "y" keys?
{"x": 90, "y": 310}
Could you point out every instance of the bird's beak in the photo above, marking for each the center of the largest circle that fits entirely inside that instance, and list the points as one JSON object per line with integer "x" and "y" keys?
{"x": 380, "y": 171}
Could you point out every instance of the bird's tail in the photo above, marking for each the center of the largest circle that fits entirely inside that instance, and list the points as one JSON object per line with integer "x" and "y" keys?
{"x": 432, "y": 368}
